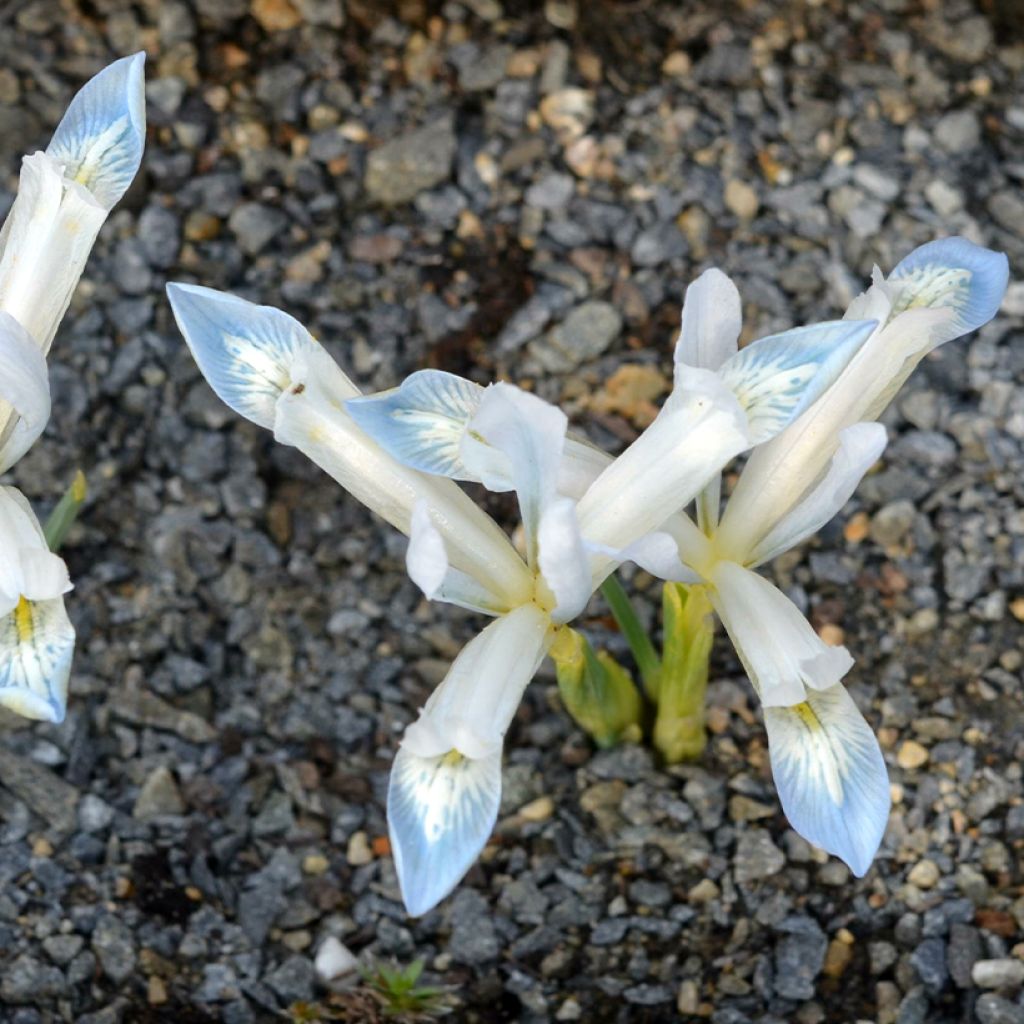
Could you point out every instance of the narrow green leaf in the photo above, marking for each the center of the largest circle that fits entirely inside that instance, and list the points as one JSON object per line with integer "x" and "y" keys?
{"x": 65, "y": 512}
{"x": 636, "y": 636}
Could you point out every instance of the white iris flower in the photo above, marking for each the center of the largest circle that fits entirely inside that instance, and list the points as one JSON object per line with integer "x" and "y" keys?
{"x": 445, "y": 786}
{"x": 64, "y": 196}
{"x": 827, "y": 765}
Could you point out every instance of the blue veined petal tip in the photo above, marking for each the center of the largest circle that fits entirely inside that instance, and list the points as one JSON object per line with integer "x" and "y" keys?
{"x": 245, "y": 351}
{"x": 989, "y": 275}
{"x": 34, "y": 671}
{"x": 421, "y": 422}
{"x": 441, "y": 811}
{"x": 830, "y": 775}
{"x": 102, "y": 134}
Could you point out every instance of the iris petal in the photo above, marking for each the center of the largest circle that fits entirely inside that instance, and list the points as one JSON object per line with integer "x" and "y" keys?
{"x": 421, "y": 423}
{"x": 777, "y": 377}
{"x": 37, "y": 641}
{"x": 440, "y": 812}
{"x": 99, "y": 140}
{"x": 953, "y": 273}
{"x": 830, "y": 775}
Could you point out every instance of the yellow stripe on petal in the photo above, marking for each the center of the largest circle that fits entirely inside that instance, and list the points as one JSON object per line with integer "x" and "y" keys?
{"x": 37, "y": 641}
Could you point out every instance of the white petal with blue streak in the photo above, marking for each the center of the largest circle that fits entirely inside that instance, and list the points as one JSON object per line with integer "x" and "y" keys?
{"x": 37, "y": 641}
{"x": 440, "y": 812}
{"x": 952, "y": 273}
{"x": 777, "y": 377}
{"x": 100, "y": 139}
{"x": 422, "y": 422}
{"x": 830, "y": 775}
{"x": 248, "y": 353}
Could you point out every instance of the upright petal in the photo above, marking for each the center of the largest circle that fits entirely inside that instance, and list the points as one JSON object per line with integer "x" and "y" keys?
{"x": 935, "y": 294}
{"x": 517, "y": 438}
{"x": 46, "y": 241}
{"x": 712, "y": 318}
{"x": 24, "y": 391}
{"x": 563, "y": 561}
{"x": 582, "y": 464}
{"x": 440, "y": 812}
{"x": 699, "y": 429}
{"x": 777, "y": 377}
{"x": 830, "y": 775}
{"x": 422, "y": 421}
{"x": 781, "y": 653}
{"x": 100, "y": 139}
{"x": 37, "y": 641}
{"x": 860, "y": 447}
{"x": 267, "y": 367}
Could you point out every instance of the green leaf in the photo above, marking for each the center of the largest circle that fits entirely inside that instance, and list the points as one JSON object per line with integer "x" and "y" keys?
{"x": 597, "y": 691}
{"x": 65, "y": 512}
{"x": 636, "y": 636}
{"x": 679, "y": 733}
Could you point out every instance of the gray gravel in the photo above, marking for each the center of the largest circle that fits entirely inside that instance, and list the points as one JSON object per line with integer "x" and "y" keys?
{"x": 500, "y": 190}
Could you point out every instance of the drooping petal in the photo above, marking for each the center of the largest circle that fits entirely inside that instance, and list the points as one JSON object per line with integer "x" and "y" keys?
{"x": 37, "y": 641}
{"x": 24, "y": 391}
{"x": 427, "y": 563}
{"x": 698, "y": 430}
{"x": 422, "y": 422}
{"x": 563, "y": 560}
{"x": 446, "y": 781}
{"x": 860, "y": 447}
{"x": 781, "y": 653}
{"x": 267, "y": 367}
{"x": 517, "y": 438}
{"x": 830, "y": 775}
{"x": 27, "y": 566}
{"x": 440, "y": 812}
{"x": 712, "y": 318}
{"x": 952, "y": 273}
{"x": 100, "y": 139}
{"x": 472, "y": 707}
{"x": 777, "y": 377}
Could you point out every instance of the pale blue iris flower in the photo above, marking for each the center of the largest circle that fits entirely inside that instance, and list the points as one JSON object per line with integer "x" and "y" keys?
{"x": 445, "y": 785}
{"x": 64, "y": 196}
{"x": 827, "y": 765}
{"x": 393, "y": 452}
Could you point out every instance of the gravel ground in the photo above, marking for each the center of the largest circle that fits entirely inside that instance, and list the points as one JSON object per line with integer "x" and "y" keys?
{"x": 508, "y": 189}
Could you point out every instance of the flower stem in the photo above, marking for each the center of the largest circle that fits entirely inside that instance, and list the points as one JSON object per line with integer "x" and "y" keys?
{"x": 646, "y": 656}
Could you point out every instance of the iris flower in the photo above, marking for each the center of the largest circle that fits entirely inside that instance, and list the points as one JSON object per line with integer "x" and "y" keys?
{"x": 394, "y": 451}
{"x": 64, "y": 196}
{"x": 826, "y": 762}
